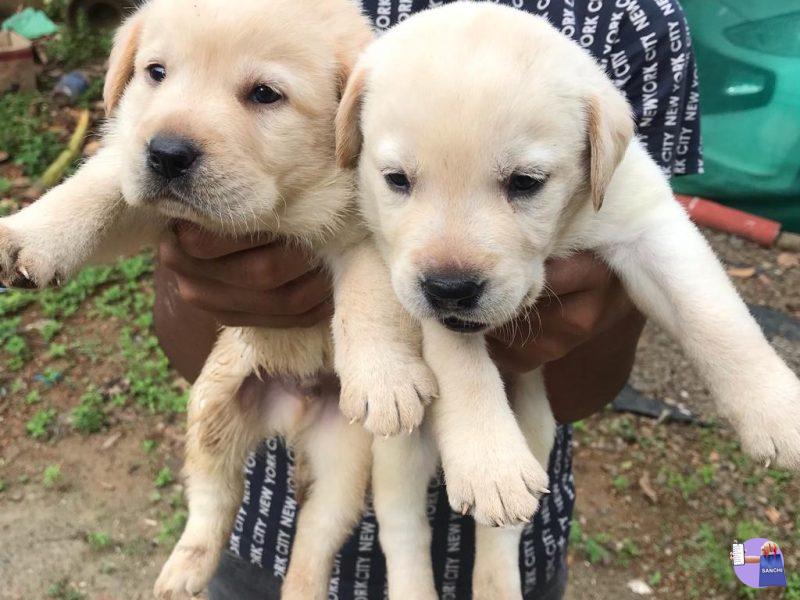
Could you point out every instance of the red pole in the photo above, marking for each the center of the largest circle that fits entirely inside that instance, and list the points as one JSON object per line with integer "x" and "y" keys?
{"x": 711, "y": 214}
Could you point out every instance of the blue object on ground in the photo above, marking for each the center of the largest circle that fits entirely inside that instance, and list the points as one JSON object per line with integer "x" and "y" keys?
{"x": 71, "y": 86}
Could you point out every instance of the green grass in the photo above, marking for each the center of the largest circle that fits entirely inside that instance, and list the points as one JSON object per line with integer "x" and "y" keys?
{"x": 171, "y": 527}
{"x": 51, "y": 476}
{"x": 89, "y": 416}
{"x": 63, "y": 590}
{"x": 5, "y": 186}
{"x": 40, "y": 425}
{"x": 26, "y": 133}
{"x": 98, "y": 540}
{"x": 595, "y": 549}
{"x": 80, "y": 44}
{"x": 164, "y": 478}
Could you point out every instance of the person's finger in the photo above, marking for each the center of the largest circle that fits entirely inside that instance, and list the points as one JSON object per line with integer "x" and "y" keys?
{"x": 580, "y": 272}
{"x": 260, "y": 268}
{"x": 203, "y": 244}
{"x": 320, "y": 313}
{"x": 295, "y": 298}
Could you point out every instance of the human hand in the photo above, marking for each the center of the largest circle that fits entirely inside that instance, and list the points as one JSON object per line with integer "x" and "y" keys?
{"x": 769, "y": 548}
{"x": 585, "y": 299}
{"x": 247, "y": 282}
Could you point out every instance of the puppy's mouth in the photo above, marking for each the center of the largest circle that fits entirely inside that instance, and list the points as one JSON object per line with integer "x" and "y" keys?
{"x": 463, "y": 326}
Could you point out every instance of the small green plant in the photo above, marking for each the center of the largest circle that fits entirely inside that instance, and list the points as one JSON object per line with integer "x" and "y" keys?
{"x": 2, "y": 485}
{"x": 52, "y": 475}
{"x": 595, "y": 548}
{"x": 39, "y": 426}
{"x": 171, "y": 527}
{"x": 63, "y": 590}
{"x": 25, "y": 134}
{"x": 5, "y": 186}
{"x": 33, "y": 397}
{"x": 50, "y": 329}
{"x": 89, "y": 416}
{"x": 164, "y": 478}
{"x": 98, "y": 540}
{"x": 17, "y": 351}
{"x": 628, "y": 551}
{"x": 57, "y": 350}
{"x": 79, "y": 44}
{"x": 621, "y": 483}
{"x": 149, "y": 446}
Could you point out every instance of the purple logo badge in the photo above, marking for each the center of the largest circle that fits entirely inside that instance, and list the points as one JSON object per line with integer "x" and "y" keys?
{"x": 758, "y": 563}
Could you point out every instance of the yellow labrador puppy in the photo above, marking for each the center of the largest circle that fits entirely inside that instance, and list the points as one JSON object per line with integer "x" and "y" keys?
{"x": 222, "y": 113}
{"x": 487, "y": 142}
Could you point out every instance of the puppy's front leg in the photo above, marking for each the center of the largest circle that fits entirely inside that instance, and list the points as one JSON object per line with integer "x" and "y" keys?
{"x": 675, "y": 278}
{"x": 488, "y": 467}
{"x": 402, "y": 469}
{"x": 496, "y": 575}
{"x": 224, "y": 425}
{"x": 85, "y": 219}
{"x": 377, "y": 347}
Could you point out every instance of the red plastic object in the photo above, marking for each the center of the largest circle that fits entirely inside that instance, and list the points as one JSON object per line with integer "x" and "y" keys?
{"x": 711, "y": 214}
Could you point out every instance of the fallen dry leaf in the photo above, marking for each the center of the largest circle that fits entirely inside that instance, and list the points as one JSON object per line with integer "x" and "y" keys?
{"x": 647, "y": 488}
{"x": 772, "y": 514}
{"x": 4, "y": 156}
{"x": 785, "y": 260}
{"x": 713, "y": 456}
{"x": 742, "y": 272}
{"x": 112, "y": 439}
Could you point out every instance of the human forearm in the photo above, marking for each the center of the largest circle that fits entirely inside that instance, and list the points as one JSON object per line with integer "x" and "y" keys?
{"x": 186, "y": 333}
{"x": 588, "y": 378}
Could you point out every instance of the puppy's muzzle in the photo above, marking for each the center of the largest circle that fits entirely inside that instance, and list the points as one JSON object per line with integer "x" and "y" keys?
{"x": 171, "y": 156}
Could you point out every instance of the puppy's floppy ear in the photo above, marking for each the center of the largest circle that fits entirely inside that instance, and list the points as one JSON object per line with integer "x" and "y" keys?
{"x": 348, "y": 120}
{"x": 121, "y": 62}
{"x": 610, "y": 128}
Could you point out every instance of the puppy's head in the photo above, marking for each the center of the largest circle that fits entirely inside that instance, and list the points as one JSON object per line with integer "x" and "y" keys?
{"x": 480, "y": 133}
{"x": 223, "y": 110}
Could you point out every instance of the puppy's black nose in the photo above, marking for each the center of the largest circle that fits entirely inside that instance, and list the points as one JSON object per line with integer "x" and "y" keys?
{"x": 171, "y": 156}
{"x": 453, "y": 291}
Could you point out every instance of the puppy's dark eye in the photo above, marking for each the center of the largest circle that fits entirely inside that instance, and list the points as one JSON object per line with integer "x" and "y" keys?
{"x": 264, "y": 94}
{"x": 157, "y": 73}
{"x": 398, "y": 182}
{"x": 523, "y": 185}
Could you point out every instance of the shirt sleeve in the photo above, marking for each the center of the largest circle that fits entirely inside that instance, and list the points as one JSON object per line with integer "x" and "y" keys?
{"x": 652, "y": 61}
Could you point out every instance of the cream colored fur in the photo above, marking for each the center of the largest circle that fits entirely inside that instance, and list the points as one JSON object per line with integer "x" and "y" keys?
{"x": 264, "y": 168}
{"x": 459, "y": 99}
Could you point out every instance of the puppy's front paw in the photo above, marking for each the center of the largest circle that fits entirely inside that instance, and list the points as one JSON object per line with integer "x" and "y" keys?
{"x": 23, "y": 263}
{"x": 770, "y": 427}
{"x": 187, "y": 571}
{"x": 388, "y": 395}
{"x": 499, "y": 482}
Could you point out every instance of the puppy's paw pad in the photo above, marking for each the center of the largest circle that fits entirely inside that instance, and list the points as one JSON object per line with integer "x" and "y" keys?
{"x": 301, "y": 584}
{"x": 389, "y": 399}
{"x": 770, "y": 432}
{"x": 186, "y": 573}
{"x": 506, "y": 495}
{"x": 23, "y": 266}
